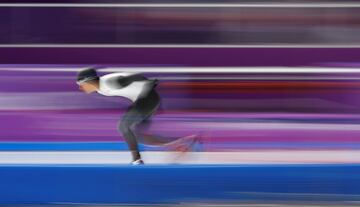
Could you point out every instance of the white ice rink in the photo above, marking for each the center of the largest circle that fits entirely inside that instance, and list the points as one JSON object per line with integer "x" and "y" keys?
{"x": 238, "y": 157}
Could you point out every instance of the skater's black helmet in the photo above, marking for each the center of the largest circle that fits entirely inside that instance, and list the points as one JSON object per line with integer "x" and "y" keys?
{"x": 86, "y": 75}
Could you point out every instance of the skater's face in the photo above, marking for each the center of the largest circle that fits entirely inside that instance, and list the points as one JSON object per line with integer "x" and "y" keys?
{"x": 87, "y": 87}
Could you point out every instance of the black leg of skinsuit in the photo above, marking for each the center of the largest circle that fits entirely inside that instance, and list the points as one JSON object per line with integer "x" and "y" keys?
{"x": 139, "y": 114}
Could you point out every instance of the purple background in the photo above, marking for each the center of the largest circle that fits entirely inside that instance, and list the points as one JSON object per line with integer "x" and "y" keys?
{"x": 317, "y": 111}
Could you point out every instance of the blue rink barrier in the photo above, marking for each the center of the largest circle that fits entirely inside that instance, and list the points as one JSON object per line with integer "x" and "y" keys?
{"x": 149, "y": 184}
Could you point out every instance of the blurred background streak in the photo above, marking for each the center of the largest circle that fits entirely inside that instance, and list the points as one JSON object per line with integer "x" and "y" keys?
{"x": 178, "y": 22}
{"x": 236, "y": 109}
{"x": 263, "y": 82}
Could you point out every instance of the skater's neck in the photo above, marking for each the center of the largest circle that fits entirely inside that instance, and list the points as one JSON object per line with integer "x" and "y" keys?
{"x": 95, "y": 84}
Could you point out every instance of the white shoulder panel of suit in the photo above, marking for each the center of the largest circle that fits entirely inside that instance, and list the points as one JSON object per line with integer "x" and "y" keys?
{"x": 132, "y": 91}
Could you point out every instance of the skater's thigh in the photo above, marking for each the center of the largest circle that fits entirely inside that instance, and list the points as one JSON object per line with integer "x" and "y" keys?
{"x": 131, "y": 117}
{"x": 144, "y": 125}
{"x": 140, "y": 113}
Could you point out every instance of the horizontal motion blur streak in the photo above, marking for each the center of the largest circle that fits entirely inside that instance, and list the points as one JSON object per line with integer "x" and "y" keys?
{"x": 176, "y": 5}
{"x": 200, "y": 69}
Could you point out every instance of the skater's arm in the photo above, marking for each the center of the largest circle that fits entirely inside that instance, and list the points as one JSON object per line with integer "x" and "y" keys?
{"x": 123, "y": 81}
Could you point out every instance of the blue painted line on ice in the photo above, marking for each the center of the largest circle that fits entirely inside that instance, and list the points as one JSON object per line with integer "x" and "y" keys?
{"x": 120, "y": 184}
{"x": 121, "y": 146}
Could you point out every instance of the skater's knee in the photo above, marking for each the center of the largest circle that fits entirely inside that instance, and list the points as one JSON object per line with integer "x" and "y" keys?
{"x": 124, "y": 127}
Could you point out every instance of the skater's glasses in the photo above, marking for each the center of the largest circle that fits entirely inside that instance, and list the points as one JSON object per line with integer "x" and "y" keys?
{"x": 79, "y": 82}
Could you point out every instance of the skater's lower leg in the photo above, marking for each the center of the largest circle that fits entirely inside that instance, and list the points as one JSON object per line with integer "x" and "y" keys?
{"x": 166, "y": 141}
{"x": 131, "y": 140}
{"x": 154, "y": 140}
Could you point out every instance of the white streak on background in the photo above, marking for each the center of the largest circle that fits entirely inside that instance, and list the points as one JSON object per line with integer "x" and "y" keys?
{"x": 257, "y": 78}
{"x": 184, "y": 69}
{"x": 189, "y": 5}
{"x": 154, "y": 157}
{"x": 235, "y": 69}
{"x": 276, "y": 126}
{"x": 48, "y": 69}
